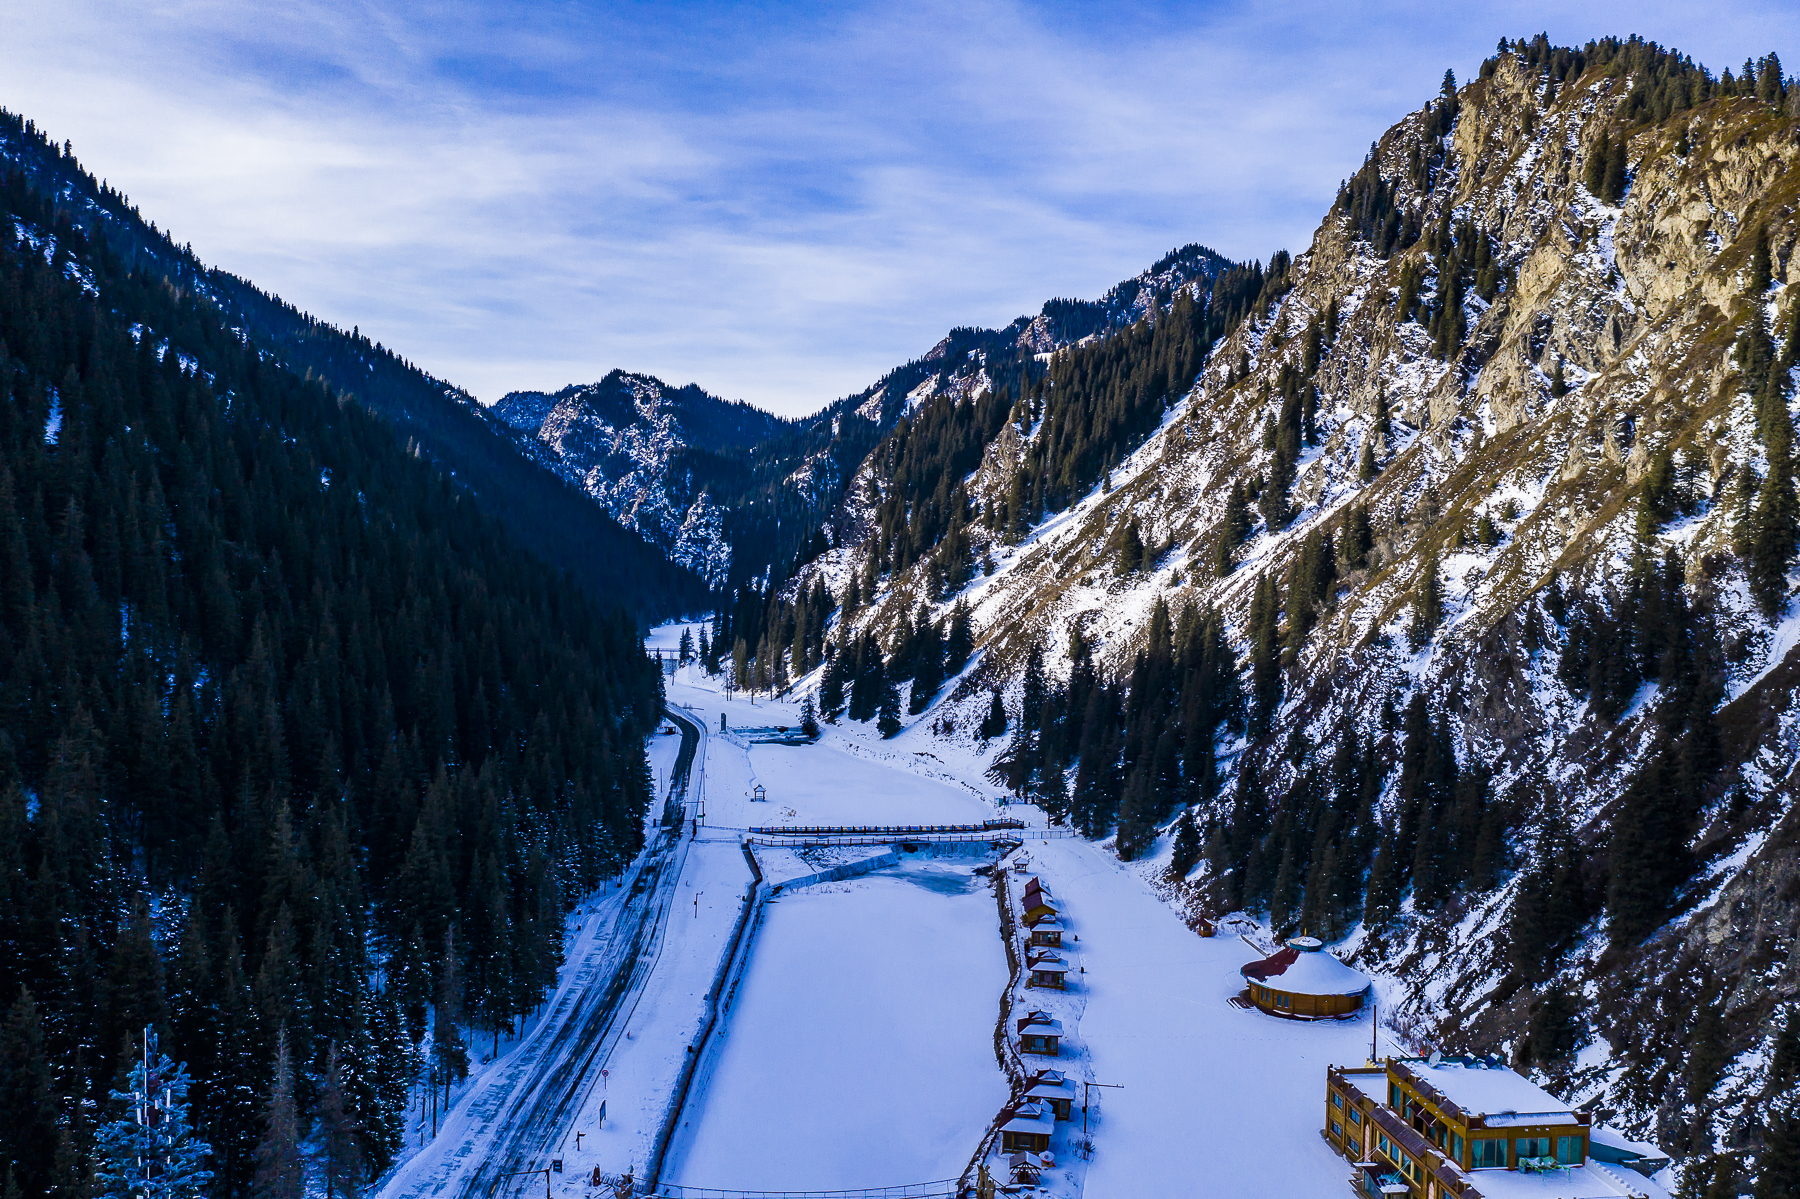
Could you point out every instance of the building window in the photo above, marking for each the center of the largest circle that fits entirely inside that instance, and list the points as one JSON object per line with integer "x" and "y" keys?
{"x": 1396, "y": 1100}
{"x": 1532, "y": 1147}
{"x": 1337, "y": 1100}
{"x": 1355, "y": 1116}
{"x": 1281, "y": 1000}
{"x": 1337, "y": 1130}
{"x": 1456, "y": 1146}
{"x": 1487, "y": 1153}
{"x": 1568, "y": 1151}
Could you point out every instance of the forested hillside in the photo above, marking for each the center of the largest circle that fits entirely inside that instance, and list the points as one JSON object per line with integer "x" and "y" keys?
{"x": 295, "y": 738}
{"x": 433, "y": 417}
{"x": 1431, "y": 590}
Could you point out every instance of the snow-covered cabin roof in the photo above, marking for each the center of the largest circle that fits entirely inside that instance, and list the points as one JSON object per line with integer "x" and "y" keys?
{"x": 1040, "y": 1024}
{"x": 1505, "y": 1097}
{"x": 1031, "y": 1117}
{"x": 1304, "y": 968}
{"x": 1047, "y": 924}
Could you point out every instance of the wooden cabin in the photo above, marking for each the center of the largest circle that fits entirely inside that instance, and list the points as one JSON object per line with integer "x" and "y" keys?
{"x": 1046, "y": 932}
{"x": 1052, "y": 1087}
{"x": 1303, "y": 982}
{"x": 1435, "y": 1128}
{"x": 1039, "y": 908}
{"x": 1028, "y": 1127}
{"x": 1038, "y": 1033}
{"x": 1035, "y": 889}
{"x": 1045, "y": 968}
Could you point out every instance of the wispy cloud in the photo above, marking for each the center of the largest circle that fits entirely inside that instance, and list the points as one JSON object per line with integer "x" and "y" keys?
{"x": 778, "y": 202}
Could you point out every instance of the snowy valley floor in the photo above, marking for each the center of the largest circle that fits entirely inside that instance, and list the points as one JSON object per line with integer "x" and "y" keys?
{"x": 858, "y": 1051}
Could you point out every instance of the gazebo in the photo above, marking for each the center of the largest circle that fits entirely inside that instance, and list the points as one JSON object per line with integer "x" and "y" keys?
{"x": 1303, "y": 982}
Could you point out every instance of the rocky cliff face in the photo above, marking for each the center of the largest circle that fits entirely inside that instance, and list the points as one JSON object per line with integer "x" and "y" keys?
{"x": 1597, "y": 361}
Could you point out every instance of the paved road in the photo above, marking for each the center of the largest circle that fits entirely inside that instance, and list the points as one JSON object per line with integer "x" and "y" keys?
{"x": 518, "y": 1120}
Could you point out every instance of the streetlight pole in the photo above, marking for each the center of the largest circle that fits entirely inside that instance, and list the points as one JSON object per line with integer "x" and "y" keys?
{"x": 1117, "y": 1086}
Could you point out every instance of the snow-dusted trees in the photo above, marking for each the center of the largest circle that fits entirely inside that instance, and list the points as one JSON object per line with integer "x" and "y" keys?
{"x": 149, "y": 1149}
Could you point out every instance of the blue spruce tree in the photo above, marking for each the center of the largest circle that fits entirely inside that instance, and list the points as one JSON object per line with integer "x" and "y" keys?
{"x": 151, "y": 1151}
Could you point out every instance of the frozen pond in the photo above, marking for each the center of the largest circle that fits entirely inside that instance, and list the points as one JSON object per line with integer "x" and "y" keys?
{"x": 860, "y": 1051}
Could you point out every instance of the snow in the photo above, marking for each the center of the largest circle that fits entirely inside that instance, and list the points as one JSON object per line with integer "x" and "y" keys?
{"x": 1481, "y": 1091}
{"x": 1157, "y": 1022}
{"x": 861, "y": 1046}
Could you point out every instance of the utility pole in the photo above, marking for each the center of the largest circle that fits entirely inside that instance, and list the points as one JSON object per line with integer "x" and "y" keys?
{"x": 1116, "y": 1086}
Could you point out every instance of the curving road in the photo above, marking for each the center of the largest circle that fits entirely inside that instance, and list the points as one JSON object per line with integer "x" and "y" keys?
{"x": 517, "y": 1119}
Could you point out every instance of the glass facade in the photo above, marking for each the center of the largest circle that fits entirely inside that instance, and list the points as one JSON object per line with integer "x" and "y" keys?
{"x": 1568, "y": 1151}
{"x": 1532, "y": 1147}
{"x": 1487, "y": 1153}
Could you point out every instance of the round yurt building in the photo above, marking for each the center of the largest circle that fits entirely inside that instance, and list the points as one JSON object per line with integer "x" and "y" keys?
{"x": 1303, "y": 982}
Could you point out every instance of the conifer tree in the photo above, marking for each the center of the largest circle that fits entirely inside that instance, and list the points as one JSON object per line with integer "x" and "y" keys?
{"x": 1428, "y": 603}
{"x": 1612, "y": 186}
{"x": 1186, "y": 852}
{"x": 149, "y": 1150}
{"x": 809, "y": 717}
{"x": 959, "y": 642}
{"x": 1778, "y": 1165}
{"x": 28, "y": 1135}
{"x": 1594, "y": 169}
{"x": 832, "y": 686}
{"x": 1265, "y": 657}
{"x": 340, "y": 1132}
{"x": 887, "y": 719}
{"x": 280, "y": 1173}
{"x": 1554, "y": 1031}
{"x": 1131, "y": 550}
{"x": 447, "y": 1048}
{"x": 995, "y": 723}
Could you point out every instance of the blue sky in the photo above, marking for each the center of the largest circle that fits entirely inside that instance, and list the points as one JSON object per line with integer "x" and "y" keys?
{"x": 778, "y": 202}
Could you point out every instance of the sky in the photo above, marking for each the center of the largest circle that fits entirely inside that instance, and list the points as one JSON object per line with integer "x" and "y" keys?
{"x": 777, "y": 202}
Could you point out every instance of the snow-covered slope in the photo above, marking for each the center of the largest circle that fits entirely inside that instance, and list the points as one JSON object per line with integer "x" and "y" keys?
{"x": 1519, "y": 498}
{"x": 648, "y": 453}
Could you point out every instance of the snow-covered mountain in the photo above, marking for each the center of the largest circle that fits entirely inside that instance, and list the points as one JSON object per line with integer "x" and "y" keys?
{"x": 1519, "y": 359}
{"x": 649, "y": 454}
{"x": 699, "y": 475}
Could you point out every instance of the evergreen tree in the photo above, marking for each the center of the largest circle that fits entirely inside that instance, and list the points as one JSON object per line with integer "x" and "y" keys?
{"x": 1778, "y": 1165}
{"x": 280, "y": 1173}
{"x": 959, "y": 643}
{"x": 1428, "y": 603}
{"x": 28, "y": 1134}
{"x": 994, "y": 724}
{"x": 449, "y": 1053}
{"x": 928, "y": 664}
{"x": 1554, "y": 1030}
{"x": 887, "y": 719}
{"x": 1233, "y": 528}
{"x": 1594, "y": 168}
{"x": 339, "y": 1133}
{"x": 149, "y": 1150}
{"x": 1612, "y": 185}
{"x": 1186, "y": 852}
{"x": 831, "y": 687}
{"x": 1131, "y": 549}
{"x": 1559, "y": 385}
{"x": 809, "y": 717}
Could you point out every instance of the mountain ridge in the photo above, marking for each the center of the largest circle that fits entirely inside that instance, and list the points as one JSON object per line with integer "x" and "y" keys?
{"x": 1482, "y": 491}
